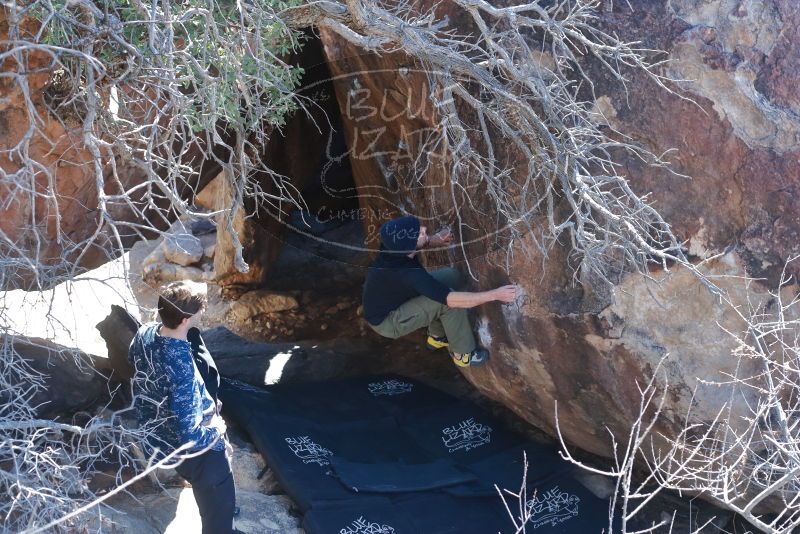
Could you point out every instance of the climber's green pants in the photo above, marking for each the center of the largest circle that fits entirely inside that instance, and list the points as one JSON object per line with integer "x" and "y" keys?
{"x": 441, "y": 320}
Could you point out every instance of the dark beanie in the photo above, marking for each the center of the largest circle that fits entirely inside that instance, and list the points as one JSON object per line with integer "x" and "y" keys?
{"x": 400, "y": 235}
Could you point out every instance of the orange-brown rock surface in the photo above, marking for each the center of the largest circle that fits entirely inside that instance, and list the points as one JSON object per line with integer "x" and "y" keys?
{"x": 49, "y": 212}
{"x": 25, "y": 203}
{"x": 54, "y": 216}
{"x": 585, "y": 346}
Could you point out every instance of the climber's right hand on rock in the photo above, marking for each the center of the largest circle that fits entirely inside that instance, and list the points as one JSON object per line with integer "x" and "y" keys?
{"x": 506, "y": 293}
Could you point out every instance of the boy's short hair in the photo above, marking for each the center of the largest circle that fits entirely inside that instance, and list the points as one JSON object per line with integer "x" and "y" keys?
{"x": 180, "y": 300}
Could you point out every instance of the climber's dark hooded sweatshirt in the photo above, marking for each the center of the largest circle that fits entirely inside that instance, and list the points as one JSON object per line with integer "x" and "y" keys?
{"x": 394, "y": 278}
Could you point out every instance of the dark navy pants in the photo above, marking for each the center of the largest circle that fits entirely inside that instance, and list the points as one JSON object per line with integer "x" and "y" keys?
{"x": 212, "y": 484}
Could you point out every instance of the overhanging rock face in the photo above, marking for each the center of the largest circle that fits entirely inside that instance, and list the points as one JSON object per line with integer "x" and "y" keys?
{"x": 587, "y": 346}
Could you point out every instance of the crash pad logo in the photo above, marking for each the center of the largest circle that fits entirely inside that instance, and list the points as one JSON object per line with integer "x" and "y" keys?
{"x": 308, "y": 451}
{"x": 390, "y": 387}
{"x": 553, "y": 507}
{"x": 361, "y": 526}
{"x": 466, "y": 435}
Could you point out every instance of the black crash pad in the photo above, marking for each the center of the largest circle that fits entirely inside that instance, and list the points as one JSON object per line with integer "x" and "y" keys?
{"x": 400, "y": 476}
{"x": 416, "y": 514}
{"x": 345, "y": 400}
{"x": 390, "y": 455}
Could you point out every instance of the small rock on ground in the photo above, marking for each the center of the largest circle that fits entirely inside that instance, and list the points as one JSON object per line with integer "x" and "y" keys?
{"x": 183, "y": 249}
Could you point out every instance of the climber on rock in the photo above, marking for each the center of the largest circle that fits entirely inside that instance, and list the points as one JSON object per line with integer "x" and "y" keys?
{"x": 400, "y": 296}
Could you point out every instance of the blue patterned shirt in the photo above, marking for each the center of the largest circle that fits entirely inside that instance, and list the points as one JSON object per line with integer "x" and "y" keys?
{"x": 170, "y": 399}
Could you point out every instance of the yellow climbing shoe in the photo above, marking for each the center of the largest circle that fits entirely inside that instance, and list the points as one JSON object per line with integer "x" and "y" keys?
{"x": 470, "y": 359}
{"x": 435, "y": 343}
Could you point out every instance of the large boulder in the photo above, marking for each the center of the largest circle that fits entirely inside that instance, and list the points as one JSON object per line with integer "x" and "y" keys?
{"x": 738, "y": 141}
{"x": 72, "y": 380}
{"x": 587, "y": 346}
